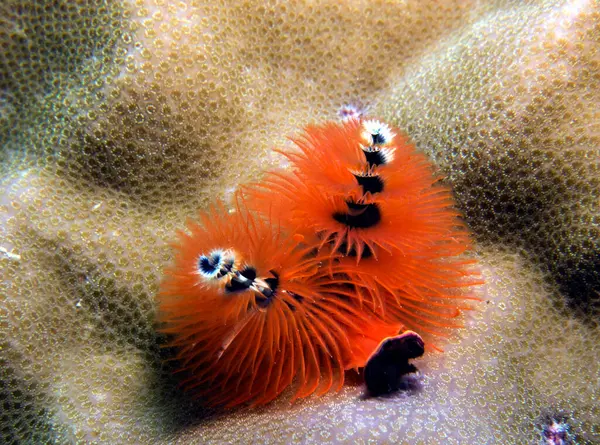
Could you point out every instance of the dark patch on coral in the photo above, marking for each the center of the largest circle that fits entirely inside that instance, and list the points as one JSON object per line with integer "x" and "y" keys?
{"x": 516, "y": 203}
{"x": 156, "y": 171}
{"x": 23, "y": 417}
{"x": 45, "y": 48}
{"x": 185, "y": 409}
{"x": 388, "y": 365}
{"x": 578, "y": 278}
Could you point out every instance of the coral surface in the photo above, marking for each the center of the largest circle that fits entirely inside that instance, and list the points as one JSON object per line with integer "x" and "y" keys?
{"x": 119, "y": 119}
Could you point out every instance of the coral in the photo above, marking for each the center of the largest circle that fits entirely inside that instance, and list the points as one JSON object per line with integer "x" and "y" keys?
{"x": 120, "y": 118}
{"x": 516, "y": 128}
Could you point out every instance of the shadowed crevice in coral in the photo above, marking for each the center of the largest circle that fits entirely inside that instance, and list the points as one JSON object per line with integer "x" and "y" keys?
{"x": 524, "y": 219}
{"x": 116, "y": 314}
{"x": 39, "y": 60}
{"x": 23, "y": 416}
{"x": 178, "y": 409}
{"x": 579, "y": 279}
{"x": 517, "y": 133}
{"x": 158, "y": 170}
{"x": 123, "y": 320}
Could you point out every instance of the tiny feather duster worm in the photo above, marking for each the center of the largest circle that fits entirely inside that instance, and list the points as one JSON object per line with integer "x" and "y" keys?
{"x": 315, "y": 267}
{"x": 362, "y": 188}
{"x": 251, "y": 310}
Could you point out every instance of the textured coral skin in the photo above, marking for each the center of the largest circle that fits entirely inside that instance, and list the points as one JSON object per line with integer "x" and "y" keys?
{"x": 119, "y": 119}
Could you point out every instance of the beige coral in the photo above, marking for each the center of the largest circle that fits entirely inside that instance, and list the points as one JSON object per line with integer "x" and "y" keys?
{"x": 119, "y": 119}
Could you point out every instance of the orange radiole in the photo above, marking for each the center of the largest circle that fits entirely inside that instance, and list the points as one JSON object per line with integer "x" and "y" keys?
{"x": 315, "y": 267}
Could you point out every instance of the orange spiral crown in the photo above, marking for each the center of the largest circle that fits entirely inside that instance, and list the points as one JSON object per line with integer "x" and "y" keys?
{"x": 316, "y": 266}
